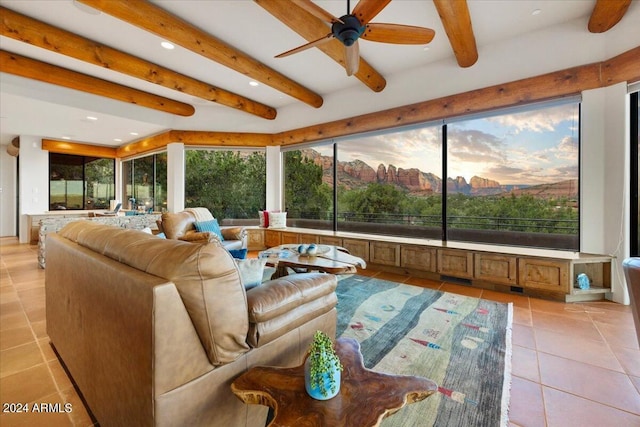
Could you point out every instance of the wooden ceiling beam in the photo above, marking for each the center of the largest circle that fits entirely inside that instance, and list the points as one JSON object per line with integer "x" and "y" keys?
{"x": 606, "y": 14}
{"x": 624, "y": 67}
{"x": 456, "y": 21}
{"x": 38, "y": 70}
{"x": 312, "y": 28}
{"x": 152, "y": 18}
{"x": 77, "y": 149}
{"x": 40, "y": 34}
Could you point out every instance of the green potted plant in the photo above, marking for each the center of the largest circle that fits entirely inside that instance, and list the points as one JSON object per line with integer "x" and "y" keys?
{"x": 322, "y": 368}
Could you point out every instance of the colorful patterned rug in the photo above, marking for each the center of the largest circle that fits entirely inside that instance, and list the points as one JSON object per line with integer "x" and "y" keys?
{"x": 461, "y": 343}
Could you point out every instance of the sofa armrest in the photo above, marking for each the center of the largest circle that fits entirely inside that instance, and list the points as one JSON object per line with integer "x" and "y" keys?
{"x": 279, "y": 306}
{"x": 200, "y": 237}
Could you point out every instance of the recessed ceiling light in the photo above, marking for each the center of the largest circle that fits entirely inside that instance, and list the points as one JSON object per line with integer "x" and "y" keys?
{"x": 117, "y": 140}
{"x": 536, "y": 12}
{"x": 66, "y": 137}
{"x": 167, "y": 45}
{"x": 92, "y": 118}
{"x": 426, "y": 48}
{"x": 133, "y": 133}
{"x": 254, "y": 83}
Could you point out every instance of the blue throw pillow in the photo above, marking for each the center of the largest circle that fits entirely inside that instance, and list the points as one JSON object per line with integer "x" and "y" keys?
{"x": 211, "y": 226}
{"x": 238, "y": 253}
{"x": 161, "y": 235}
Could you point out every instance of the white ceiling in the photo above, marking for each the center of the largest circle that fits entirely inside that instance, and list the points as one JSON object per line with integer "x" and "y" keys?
{"x": 512, "y": 43}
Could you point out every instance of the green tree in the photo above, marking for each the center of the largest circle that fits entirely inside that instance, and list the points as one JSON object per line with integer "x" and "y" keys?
{"x": 305, "y": 195}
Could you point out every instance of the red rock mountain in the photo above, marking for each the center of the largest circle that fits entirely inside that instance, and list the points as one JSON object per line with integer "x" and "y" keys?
{"x": 358, "y": 174}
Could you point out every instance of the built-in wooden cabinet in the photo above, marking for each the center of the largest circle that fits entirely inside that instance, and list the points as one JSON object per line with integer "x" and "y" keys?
{"x": 255, "y": 239}
{"x": 545, "y": 274}
{"x": 384, "y": 253}
{"x": 356, "y": 247}
{"x": 287, "y": 238}
{"x": 542, "y": 273}
{"x": 495, "y": 268}
{"x": 272, "y": 238}
{"x": 455, "y": 263}
{"x": 418, "y": 258}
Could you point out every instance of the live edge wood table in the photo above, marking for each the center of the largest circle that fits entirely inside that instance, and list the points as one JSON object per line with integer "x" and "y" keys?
{"x": 330, "y": 259}
{"x": 365, "y": 398}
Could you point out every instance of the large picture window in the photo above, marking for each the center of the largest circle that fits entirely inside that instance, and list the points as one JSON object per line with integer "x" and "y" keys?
{"x": 391, "y": 183}
{"x": 145, "y": 183}
{"x": 231, "y": 184}
{"x": 504, "y": 178}
{"x": 513, "y": 178}
{"x": 80, "y": 182}
{"x": 308, "y": 187}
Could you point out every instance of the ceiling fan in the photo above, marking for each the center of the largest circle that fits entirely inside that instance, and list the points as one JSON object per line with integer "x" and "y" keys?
{"x": 355, "y": 25}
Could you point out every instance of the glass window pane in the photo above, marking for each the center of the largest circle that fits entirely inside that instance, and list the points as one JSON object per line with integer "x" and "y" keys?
{"x": 308, "y": 187}
{"x": 78, "y": 182}
{"x": 391, "y": 183}
{"x": 513, "y": 178}
{"x": 231, "y": 184}
{"x": 144, "y": 182}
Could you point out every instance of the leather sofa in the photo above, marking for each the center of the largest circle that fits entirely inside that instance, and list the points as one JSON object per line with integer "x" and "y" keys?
{"x": 153, "y": 331}
{"x": 181, "y": 225}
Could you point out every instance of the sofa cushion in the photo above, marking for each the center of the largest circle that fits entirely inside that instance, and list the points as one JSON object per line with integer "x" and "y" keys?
{"x": 211, "y": 226}
{"x": 251, "y": 271}
{"x": 204, "y": 274}
{"x": 176, "y": 225}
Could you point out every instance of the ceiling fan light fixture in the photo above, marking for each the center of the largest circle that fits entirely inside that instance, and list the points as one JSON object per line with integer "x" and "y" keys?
{"x": 347, "y": 31}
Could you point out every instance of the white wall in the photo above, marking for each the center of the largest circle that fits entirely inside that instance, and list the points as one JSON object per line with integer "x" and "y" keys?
{"x": 8, "y": 193}
{"x": 34, "y": 181}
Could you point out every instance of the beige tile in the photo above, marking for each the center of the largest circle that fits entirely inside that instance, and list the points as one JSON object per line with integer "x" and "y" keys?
{"x": 522, "y": 316}
{"x": 636, "y": 382}
{"x": 526, "y": 407}
{"x": 50, "y": 411}
{"x": 46, "y": 349}
{"x": 565, "y": 325}
{"x": 13, "y": 321}
{"x": 28, "y": 385}
{"x": 80, "y": 415}
{"x": 461, "y": 290}
{"x": 523, "y": 336}
{"x": 591, "y": 382}
{"x": 567, "y": 410}
{"x": 15, "y": 337}
{"x": 574, "y": 311}
{"x": 619, "y": 335}
{"x": 524, "y": 363}
{"x": 629, "y": 359}
{"x": 424, "y": 283}
{"x": 575, "y": 347}
{"x": 19, "y": 358}
{"x": 60, "y": 376}
{"x": 39, "y": 328}
{"x": 9, "y": 308}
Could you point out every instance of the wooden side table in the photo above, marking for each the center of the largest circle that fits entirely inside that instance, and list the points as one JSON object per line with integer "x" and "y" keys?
{"x": 365, "y": 399}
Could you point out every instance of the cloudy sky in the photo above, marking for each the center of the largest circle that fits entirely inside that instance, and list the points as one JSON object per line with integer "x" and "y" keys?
{"x": 530, "y": 147}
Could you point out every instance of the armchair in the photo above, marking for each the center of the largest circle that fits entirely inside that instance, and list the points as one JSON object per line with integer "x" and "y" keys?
{"x": 182, "y": 226}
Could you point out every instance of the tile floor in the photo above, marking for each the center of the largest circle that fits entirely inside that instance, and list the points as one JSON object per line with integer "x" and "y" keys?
{"x": 573, "y": 364}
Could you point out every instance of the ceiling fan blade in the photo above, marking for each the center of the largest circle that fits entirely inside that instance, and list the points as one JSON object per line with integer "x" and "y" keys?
{"x": 352, "y": 58}
{"x": 398, "y": 34}
{"x": 316, "y": 10}
{"x": 309, "y": 45}
{"x": 606, "y": 14}
{"x": 366, "y": 10}
{"x": 456, "y": 21}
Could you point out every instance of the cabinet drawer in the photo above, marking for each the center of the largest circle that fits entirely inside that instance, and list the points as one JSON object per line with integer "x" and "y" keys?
{"x": 255, "y": 239}
{"x": 385, "y": 253}
{"x": 288, "y": 238}
{"x": 418, "y": 257}
{"x": 496, "y": 268}
{"x": 271, "y": 238}
{"x": 544, "y": 274}
{"x": 330, "y": 240}
{"x": 307, "y": 238}
{"x": 455, "y": 263}
{"x": 359, "y": 248}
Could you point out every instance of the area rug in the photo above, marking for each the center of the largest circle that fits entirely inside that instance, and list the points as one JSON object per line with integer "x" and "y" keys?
{"x": 461, "y": 343}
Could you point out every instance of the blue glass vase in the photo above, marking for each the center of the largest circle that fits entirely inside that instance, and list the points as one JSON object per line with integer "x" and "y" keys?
{"x": 316, "y": 392}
